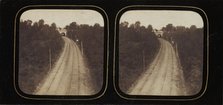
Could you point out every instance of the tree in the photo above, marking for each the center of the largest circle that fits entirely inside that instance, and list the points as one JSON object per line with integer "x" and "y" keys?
{"x": 72, "y": 30}
{"x": 124, "y": 24}
{"x": 41, "y": 23}
{"x": 180, "y": 28}
{"x": 54, "y": 26}
{"x": 97, "y": 25}
{"x": 163, "y": 29}
{"x": 193, "y": 27}
{"x": 28, "y": 22}
{"x": 73, "y": 25}
{"x": 137, "y": 24}
{"x": 150, "y": 28}
{"x": 169, "y": 27}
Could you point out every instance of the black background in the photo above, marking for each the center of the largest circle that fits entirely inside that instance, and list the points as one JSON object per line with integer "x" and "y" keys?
{"x": 213, "y": 9}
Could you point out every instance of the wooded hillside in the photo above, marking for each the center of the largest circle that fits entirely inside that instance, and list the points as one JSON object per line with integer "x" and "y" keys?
{"x": 38, "y": 42}
{"x": 90, "y": 40}
{"x": 138, "y": 46}
{"x": 189, "y": 43}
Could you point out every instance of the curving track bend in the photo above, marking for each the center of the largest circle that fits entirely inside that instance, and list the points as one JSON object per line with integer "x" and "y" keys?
{"x": 164, "y": 75}
{"x": 69, "y": 76}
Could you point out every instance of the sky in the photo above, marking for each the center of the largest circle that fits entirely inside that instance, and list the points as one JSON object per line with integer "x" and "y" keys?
{"x": 63, "y": 17}
{"x": 160, "y": 18}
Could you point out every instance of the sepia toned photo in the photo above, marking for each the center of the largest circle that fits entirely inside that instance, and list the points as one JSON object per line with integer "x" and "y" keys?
{"x": 160, "y": 52}
{"x": 61, "y": 52}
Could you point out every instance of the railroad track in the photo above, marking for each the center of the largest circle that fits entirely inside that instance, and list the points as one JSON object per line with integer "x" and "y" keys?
{"x": 69, "y": 76}
{"x": 163, "y": 76}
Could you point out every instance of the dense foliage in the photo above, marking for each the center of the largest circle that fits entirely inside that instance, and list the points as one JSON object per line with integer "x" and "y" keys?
{"x": 189, "y": 43}
{"x": 90, "y": 40}
{"x": 37, "y": 42}
{"x": 138, "y": 46}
